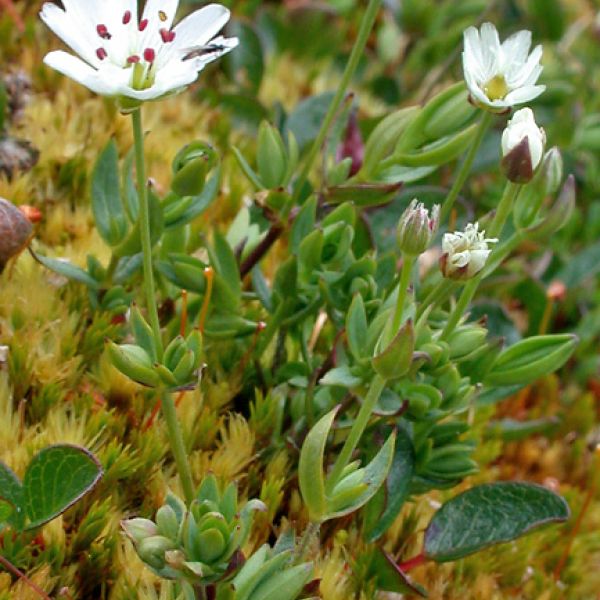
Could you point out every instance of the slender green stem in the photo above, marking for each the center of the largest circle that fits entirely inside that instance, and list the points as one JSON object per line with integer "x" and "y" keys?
{"x": 465, "y": 167}
{"x": 407, "y": 268}
{"x": 358, "y": 428}
{"x": 438, "y": 294}
{"x": 461, "y": 306}
{"x": 504, "y": 208}
{"x": 366, "y": 26}
{"x": 144, "y": 216}
{"x": 167, "y": 404}
{"x": 177, "y": 445}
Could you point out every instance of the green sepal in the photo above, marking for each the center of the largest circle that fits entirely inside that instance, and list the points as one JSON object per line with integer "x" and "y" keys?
{"x": 142, "y": 332}
{"x": 134, "y": 362}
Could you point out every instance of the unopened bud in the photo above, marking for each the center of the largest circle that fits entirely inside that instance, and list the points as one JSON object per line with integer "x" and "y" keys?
{"x": 522, "y": 146}
{"x": 191, "y": 165}
{"x": 465, "y": 253}
{"x": 152, "y": 550}
{"x": 416, "y": 228}
{"x": 15, "y": 231}
{"x": 352, "y": 146}
{"x": 271, "y": 156}
{"x": 138, "y": 529}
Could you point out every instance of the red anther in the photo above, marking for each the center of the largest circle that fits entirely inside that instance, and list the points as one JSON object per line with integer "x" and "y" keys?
{"x": 149, "y": 55}
{"x": 143, "y": 24}
{"x": 166, "y": 35}
{"x": 126, "y": 17}
{"x": 134, "y": 58}
{"x": 31, "y": 212}
{"x": 103, "y": 32}
{"x": 101, "y": 53}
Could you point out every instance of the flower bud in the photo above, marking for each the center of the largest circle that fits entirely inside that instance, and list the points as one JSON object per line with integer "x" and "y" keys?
{"x": 15, "y": 231}
{"x": 152, "y": 550}
{"x": 464, "y": 253}
{"x": 191, "y": 165}
{"x": 271, "y": 156}
{"x": 416, "y": 228}
{"x": 352, "y": 146}
{"x": 138, "y": 529}
{"x": 522, "y": 146}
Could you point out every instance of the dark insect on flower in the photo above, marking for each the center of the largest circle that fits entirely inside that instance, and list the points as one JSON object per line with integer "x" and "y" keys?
{"x": 202, "y": 51}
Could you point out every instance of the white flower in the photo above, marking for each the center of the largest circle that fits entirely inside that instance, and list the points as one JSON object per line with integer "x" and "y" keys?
{"x": 465, "y": 253}
{"x": 143, "y": 59}
{"x": 500, "y": 75}
{"x": 523, "y": 144}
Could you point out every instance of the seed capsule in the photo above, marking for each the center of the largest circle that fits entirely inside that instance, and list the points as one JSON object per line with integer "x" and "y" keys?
{"x": 15, "y": 231}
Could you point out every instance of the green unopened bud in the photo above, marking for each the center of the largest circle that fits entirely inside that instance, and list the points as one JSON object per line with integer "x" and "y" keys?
{"x": 416, "y": 228}
{"x": 450, "y": 112}
{"x": 558, "y": 216}
{"x": 271, "y": 156}
{"x": 522, "y": 147}
{"x": 190, "y": 168}
{"x": 465, "y": 340}
{"x": 152, "y": 550}
{"x": 139, "y": 529}
{"x": 134, "y": 362}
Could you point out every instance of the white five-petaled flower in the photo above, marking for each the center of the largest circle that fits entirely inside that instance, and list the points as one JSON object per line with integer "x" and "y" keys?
{"x": 523, "y": 144}
{"x": 500, "y": 76}
{"x": 135, "y": 59}
{"x": 465, "y": 252}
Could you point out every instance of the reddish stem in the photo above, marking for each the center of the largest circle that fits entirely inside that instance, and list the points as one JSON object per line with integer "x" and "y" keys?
{"x": 14, "y": 15}
{"x": 413, "y": 562}
{"x": 12, "y": 569}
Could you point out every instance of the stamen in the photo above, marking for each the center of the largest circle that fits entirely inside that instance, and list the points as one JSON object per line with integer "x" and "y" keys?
{"x": 143, "y": 24}
{"x": 126, "y": 17}
{"x": 149, "y": 55}
{"x": 162, "y": 15}
{"x": 101, "y": 53}
{"x": 166, "y": 35}
{"x": 103, "y": 32}
{"x": 134, "y": 58}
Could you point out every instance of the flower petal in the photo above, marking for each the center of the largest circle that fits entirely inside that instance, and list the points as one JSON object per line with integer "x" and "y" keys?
{"x": 80, "y": 71}
{"x": 524, "y": 94}
{"x": 67, "y": 27}
{"x": 201, "y": 26}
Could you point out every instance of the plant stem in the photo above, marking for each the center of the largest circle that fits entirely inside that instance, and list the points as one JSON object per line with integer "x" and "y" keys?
{"x": 358, "y": 428}
{"x": 140, "y": 166}
{"x": 366, "y": 26}
{"x": 407, "y": 268}
{"x": 177, "y": 446}
{"x": 413, "y": 562}
{"x": 465, "y": 167}
{"x": 12, "y": 569}
{"x": 504, "y": 207}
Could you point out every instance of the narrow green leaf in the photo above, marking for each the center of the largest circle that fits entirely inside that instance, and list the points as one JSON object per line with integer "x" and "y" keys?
{"x": 389, "y": 576}
{"x": 107, "y": 206}
{"x": 225, "y": 264}
{"x": 56, "y": 478}
{"x": 490, "y": 514}
{"x": 397, "y": 485}
{"x": 68, "y": 270}
{"x": 374, "y": 476}
{"x": 310, "y": 468}
{"x": 356, "y": 327}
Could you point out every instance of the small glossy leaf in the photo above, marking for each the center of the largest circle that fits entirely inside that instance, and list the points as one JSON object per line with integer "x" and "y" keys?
{"x": 341, "y": 376}
{"x": 68, "y": 270}
{"x": 56, "y": 478}
{"x": 310, "y": 468}
{"x": 511, "y": 429}
{"x": 395, "y": 360}
{"x": 389, "y": 576}
{"x": 223, "y": 260}
{"x": 11, "y": 491}
{"x": 107, "y": 205}
{"x": 490, "y": 514}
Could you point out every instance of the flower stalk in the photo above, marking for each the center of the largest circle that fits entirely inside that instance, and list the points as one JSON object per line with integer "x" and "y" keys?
{"x": 366, "y": 26}
{"x": 358, "y": 428}
{"x": 465, "y": 167}
{"x": 167, "y": 404}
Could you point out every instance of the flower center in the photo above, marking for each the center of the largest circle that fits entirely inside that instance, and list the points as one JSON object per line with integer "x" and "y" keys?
{"x": 496, "y": 88}
{"x": 143, "y": 61}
